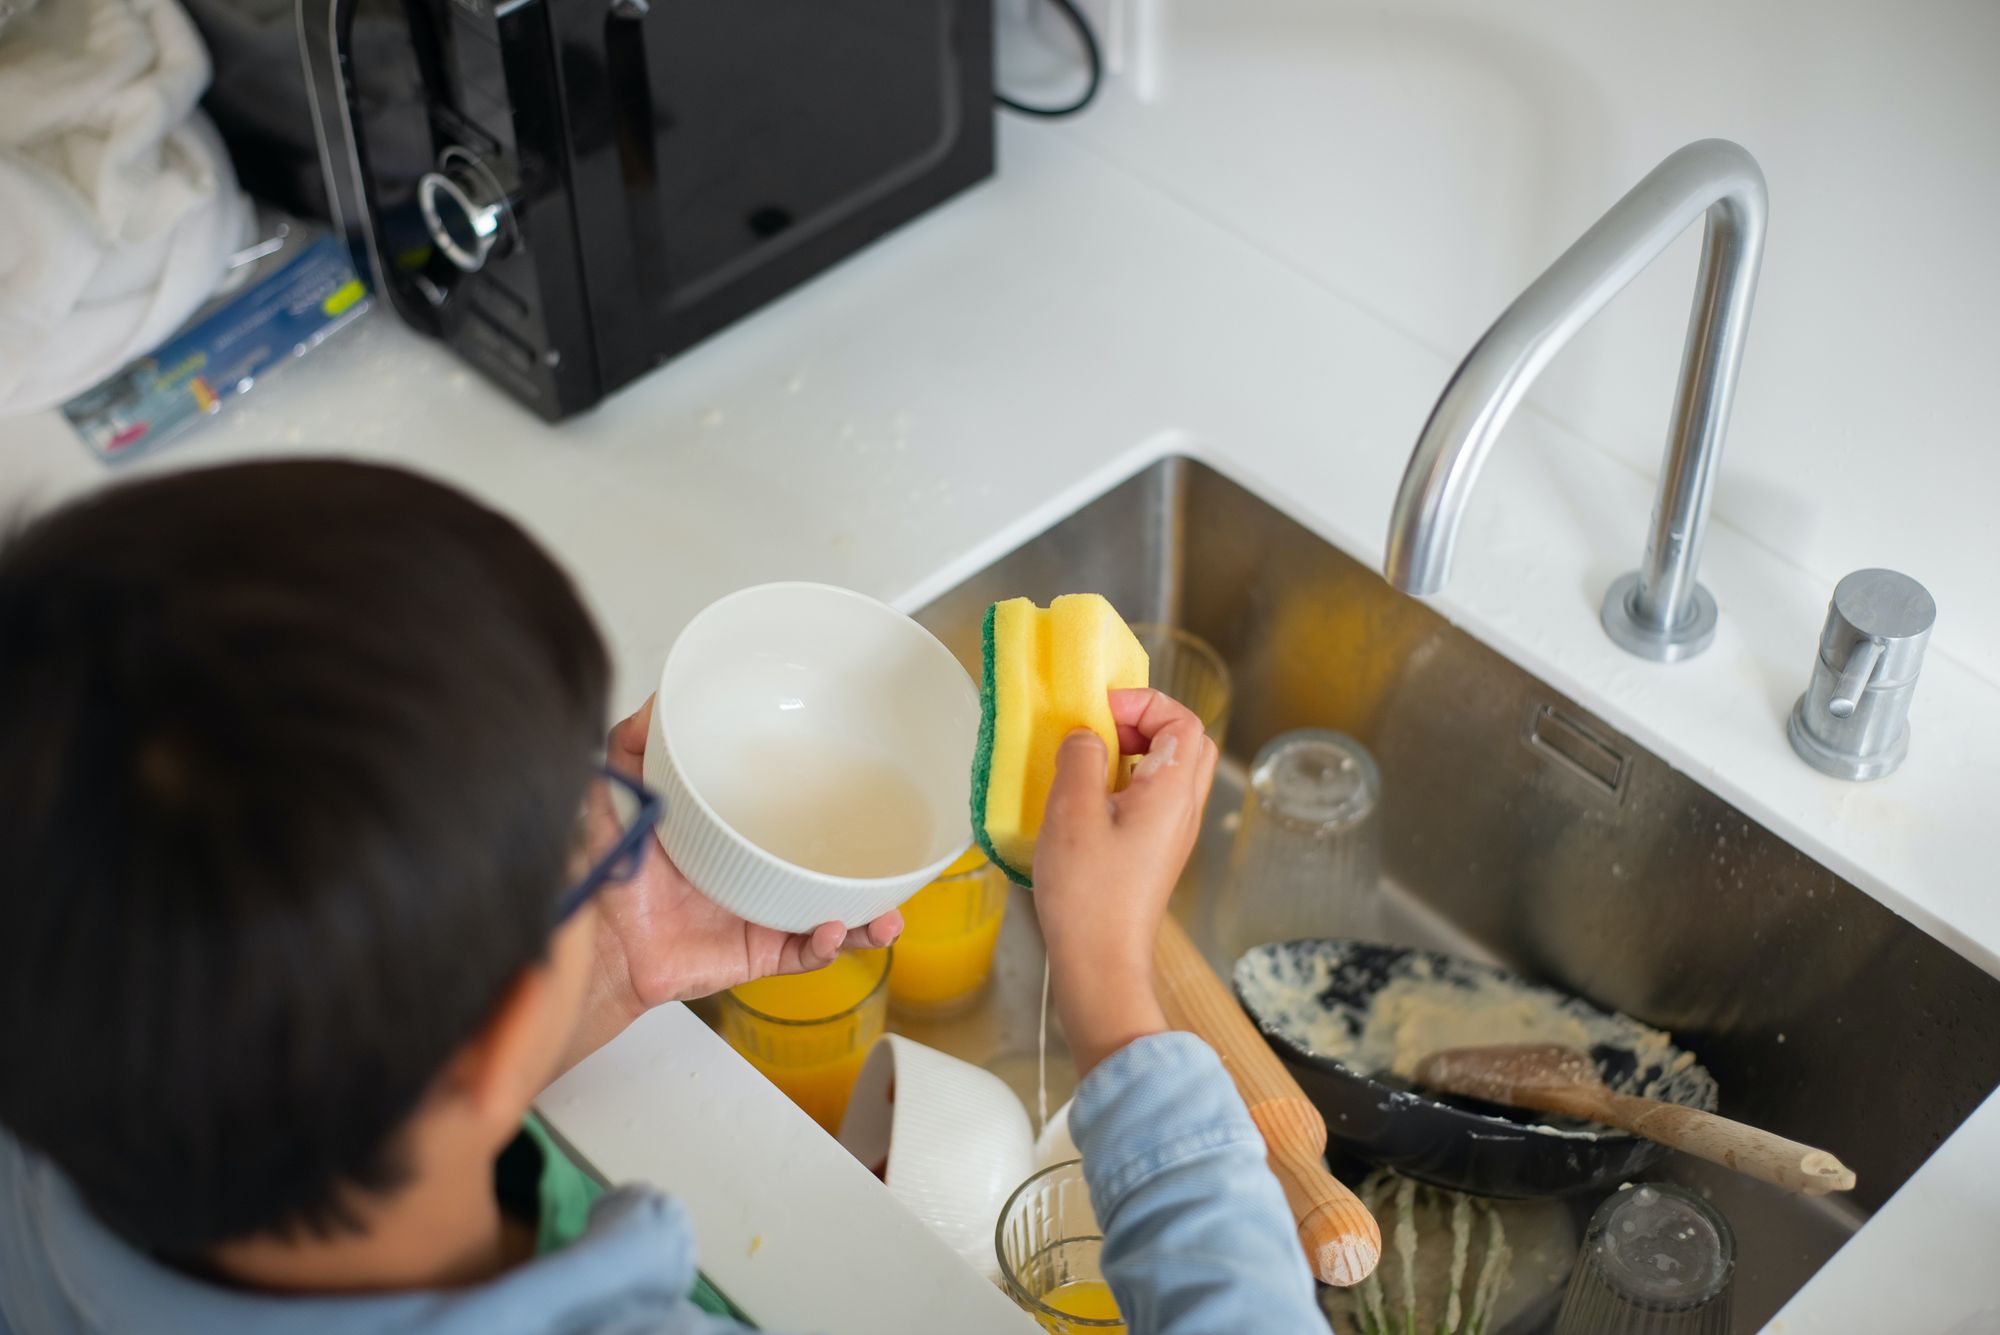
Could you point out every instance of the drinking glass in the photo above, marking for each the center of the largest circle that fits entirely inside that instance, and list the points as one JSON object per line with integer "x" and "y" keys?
{"x": 1307, "y": 860}
{"x": 950, "y": 927}
{"x": 1188, "y": 668}
{"x": 1656, "y": 1260}
{"x": 809, "y": 1032}
{"x": 1049, "y": 1245}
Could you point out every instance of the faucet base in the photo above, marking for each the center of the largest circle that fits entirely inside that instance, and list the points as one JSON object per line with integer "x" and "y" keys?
{"x": 1843, "y": 764}
{"x": 1669, "y": 645}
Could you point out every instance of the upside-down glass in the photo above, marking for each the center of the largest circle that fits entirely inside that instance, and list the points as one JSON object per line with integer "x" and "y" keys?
{"x": 1307, "y": 860}
{"x": 1656, "y": 1260}
{"x": 1188, "y": 668}
{"x": 1049, "y": 1244}
{"x": 809, "y": 1032}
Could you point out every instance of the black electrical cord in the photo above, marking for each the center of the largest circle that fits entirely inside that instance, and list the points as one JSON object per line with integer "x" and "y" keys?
{"x": 1068, "y": 10}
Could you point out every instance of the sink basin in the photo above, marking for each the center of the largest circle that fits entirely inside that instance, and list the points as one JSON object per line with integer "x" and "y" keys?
{"x": 1520, "y": 829}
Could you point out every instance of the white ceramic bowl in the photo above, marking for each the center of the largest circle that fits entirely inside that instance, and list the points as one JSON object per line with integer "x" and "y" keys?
{"x": 814, "y": 747}
{"x": 955, "y": 1139}
{"x": 1055, "y": 1144}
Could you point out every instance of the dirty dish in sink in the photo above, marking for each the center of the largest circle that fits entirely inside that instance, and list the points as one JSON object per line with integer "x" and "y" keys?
{"x": 814, "y": 750}
{"x": 1351, "y": 1019}
{"x": 1458, "y": 1265}
{"x": 948, "y": 1139}
{"x": 1055, "y": 1143}
{"x": 1551, "y": 1078}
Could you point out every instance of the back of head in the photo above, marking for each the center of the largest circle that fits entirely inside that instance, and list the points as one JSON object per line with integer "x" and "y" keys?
{"x": 290, "y": 761}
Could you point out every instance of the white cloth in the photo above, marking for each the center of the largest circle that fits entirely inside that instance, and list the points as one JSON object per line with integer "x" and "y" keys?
{"x": 118, "y": 207}
{"x": 12, "y": 11}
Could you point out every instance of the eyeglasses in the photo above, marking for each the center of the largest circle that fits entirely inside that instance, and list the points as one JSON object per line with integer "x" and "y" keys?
{"x": 621, "y": 804}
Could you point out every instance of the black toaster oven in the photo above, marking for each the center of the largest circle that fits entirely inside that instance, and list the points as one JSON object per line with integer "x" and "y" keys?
{"x": 569, "y": 192}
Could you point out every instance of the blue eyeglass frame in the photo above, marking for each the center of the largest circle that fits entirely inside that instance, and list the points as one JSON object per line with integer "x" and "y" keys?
{"x": 622, "y": 861}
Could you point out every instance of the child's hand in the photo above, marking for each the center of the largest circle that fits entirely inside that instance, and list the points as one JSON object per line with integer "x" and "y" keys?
{"x": 1105, "y": 865}
{"x": 659, "y": 939}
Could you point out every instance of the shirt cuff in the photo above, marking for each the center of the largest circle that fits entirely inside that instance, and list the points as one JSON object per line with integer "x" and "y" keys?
{"x": 1151, "y": 1106}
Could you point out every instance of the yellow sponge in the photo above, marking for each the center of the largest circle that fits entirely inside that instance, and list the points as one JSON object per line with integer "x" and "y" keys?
{"x": 1046, "y": 674}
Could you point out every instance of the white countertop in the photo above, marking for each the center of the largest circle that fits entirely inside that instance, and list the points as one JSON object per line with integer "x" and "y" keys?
{"x": 1274, "y": 266}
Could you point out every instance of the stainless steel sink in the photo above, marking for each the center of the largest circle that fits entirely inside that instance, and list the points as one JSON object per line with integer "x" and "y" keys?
{"x": 1518, "y": 828}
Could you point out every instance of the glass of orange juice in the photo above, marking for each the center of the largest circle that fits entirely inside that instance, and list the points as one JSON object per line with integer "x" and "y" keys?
{"x": 809, "y": 1032}
{"x": 950, "y": 927}
{"x": 1049, "y": 1245}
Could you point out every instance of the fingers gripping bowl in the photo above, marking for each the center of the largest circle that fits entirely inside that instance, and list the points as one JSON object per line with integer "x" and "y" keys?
{"x": 814, "y": 749}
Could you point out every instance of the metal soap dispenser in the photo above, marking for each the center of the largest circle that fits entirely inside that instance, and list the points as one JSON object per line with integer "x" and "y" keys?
{"x": 1853, "y": 720}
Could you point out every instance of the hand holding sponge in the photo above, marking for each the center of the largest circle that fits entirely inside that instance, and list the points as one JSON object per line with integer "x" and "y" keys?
{"x": 1046, "y": 672}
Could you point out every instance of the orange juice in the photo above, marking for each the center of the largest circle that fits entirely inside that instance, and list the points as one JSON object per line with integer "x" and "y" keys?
{"x": 809, "y": 1032}
{"x": 1087, "y": 1298}
{"x": 950, "y": 928}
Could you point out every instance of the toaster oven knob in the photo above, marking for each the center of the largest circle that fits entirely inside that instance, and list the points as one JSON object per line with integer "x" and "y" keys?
{"x": 464, "y": 209}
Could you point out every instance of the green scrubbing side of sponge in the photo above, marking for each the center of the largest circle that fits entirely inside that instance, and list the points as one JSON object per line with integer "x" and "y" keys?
{"x": 982, "y": 754}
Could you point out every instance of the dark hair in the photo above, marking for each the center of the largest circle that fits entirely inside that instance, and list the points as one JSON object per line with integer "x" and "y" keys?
{"x": 291, "y": 758}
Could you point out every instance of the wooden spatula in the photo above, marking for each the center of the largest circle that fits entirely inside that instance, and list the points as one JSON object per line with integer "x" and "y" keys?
{"x": 1555, "y": 1079}
{"x": 1342, "y": 1240}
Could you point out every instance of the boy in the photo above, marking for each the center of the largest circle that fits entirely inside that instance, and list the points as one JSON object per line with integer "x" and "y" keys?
{"x": 311, "y": 884}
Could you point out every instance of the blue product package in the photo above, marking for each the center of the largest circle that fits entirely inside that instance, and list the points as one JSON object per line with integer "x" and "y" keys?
{"x": 220, "y": 355}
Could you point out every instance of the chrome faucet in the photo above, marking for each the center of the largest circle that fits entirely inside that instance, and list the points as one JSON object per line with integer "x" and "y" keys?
{"x": 1658, "y": 611}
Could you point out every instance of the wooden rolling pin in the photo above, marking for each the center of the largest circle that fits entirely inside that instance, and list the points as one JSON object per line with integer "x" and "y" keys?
{"x": 1548, "y": 1077}
{"x": 1341, "y": 1238}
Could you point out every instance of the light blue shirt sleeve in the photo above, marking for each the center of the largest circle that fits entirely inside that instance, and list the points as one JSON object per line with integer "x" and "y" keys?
{"x": 1198, "y": 1239}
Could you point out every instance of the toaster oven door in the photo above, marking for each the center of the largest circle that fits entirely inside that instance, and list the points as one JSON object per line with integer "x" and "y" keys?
{"x": 727, "y": 150}
{"x": 569, "y": 192}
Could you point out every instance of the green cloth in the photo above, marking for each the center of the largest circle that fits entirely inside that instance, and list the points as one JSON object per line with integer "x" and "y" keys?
{"x": 562, "y": 1193}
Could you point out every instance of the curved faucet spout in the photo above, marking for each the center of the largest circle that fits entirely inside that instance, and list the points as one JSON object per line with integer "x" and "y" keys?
{"x": 1659, "y": 611}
